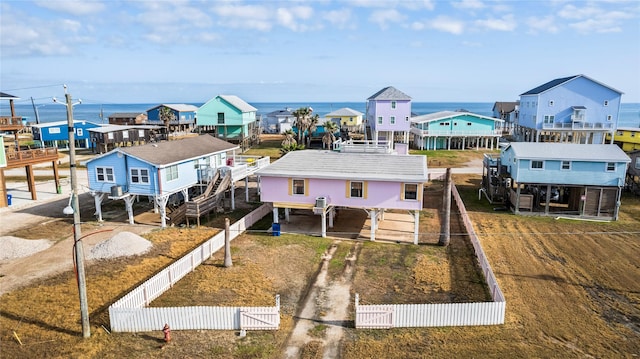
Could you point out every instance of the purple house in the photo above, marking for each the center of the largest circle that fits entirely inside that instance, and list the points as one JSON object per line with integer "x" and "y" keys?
{"x": 389, "y": 115}
{"x": 321, "y": 181}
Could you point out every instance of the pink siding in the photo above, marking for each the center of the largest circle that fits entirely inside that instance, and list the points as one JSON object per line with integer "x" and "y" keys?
{"x": 379, "y": 194}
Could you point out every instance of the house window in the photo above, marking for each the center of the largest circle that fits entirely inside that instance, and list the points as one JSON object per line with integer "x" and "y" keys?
{"x": 606, "y": 103}
{"x": 549, "y": 118}
{"x": 379, "y": 120}
{"x": 125, "y": 135}
{"x": 611, "y": 166}
{"x": 393, "y": 104}
{"x": 79, "y": 132}
{"x": 53, "y": 130}
{"x": 172, "y": 173}
{"x": 410, "y": 191}
{"x": 393, "y": 120}
{"x": 220, "y": 118}
{"x": 442, "y": 123}
{"x": 104, "y": 174}
{"x": 356, "y": 190}
{"x": 633, "y": 134}
{"x": 298, "y": 186}
{"x": 550, "y": 103}
{"x": 140, "y": 175}
{"x": 140, "y": 133}
{"x": 537, "y": 165}
{"x": 609, "y": 118}
{"x": 534, "y": 118}
{"x": 406, "y": 118}
{"x": 637, "y": 163}
{"x": 566, "y": 165}
{"x": 469, "y": 124}
{"x": 455, "y": 124}
{"x": 110, "y": 135}
{"x": 619, "y": 133}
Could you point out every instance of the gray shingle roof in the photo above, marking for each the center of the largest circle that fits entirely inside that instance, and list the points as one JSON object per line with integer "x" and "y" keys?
{"x": 557, "y": 82}
{"x": 178, "y": 107}
{"x": 389, "y": 93}
{"x": 346, "y": 111}
{"x": 336, "y": 165}
{"x": 568, "y": 151}
{"x": 170, "y": 152}
{"x": 238, "y": 103}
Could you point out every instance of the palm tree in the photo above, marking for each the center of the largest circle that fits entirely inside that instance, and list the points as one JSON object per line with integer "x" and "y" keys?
{"x": 328, "y": 138}
{"x": 166, "y": 116}
{"x": 305, "y": 122}
{"x": 289, "y": 138}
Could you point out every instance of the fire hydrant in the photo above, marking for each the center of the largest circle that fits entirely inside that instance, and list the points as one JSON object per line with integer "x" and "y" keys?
{"x": 167, "y": 333}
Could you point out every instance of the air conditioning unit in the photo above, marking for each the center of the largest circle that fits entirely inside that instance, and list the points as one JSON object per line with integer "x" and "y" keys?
{"x": 507, "y": 182}
{"x": 321, "y": 202}
{"x": 116, "y": 191}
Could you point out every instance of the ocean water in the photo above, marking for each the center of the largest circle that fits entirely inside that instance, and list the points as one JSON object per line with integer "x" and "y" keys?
{"x": 99, "y": 113}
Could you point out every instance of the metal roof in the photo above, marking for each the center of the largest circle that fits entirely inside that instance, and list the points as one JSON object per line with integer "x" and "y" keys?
{"x": 436, "y": 116}
{"x": 340, "y": 165}
{"x": 343, "y": 112}
{"x": 177, "y": 107}
{"x": 567, "y": 152}
{"x": 557, "y": 82}
{"x": 238, "y": 103}
{"x": 61, "y": 123}
{"x": 112, "y": 128}
{"x": 126, "y": 114}
{"x": 169, "y": 152}
{"x": 389, "y": 93}
{"x": 6, "y": 96}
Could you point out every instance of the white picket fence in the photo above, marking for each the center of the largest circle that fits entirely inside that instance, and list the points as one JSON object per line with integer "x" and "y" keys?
{"x": 384, "y": 316}
{"x": 131, "y": 314}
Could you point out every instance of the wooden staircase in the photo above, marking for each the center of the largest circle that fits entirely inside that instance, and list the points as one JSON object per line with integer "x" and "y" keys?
{"x": 203, "y": 204}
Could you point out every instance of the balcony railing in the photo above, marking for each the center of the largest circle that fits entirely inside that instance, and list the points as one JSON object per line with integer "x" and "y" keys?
{"x": 423, "y": 133}
{"x": 8, "y": 121}
{"x": 578, "y": 126}
{"x": 27, "y": 157}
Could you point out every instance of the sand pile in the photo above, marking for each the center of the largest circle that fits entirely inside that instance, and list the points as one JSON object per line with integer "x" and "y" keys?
{"x": 121, "y": 245}
{"x": 14, "y": 247}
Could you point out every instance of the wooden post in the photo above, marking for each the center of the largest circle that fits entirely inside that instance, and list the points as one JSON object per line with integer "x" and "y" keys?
{"x": 445, "y": 231}
{"x": 227, "y": 244}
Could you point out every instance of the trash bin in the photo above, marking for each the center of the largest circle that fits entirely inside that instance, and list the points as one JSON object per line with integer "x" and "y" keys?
{"x": 9, "y": 203}
{"x": 275, "y": 229}
{"x": 59, "y": 190}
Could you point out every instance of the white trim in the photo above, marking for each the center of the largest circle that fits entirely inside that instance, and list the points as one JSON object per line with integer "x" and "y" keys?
{"x": 139, "y": 175}
{"x": 105, "y": 174}
{"x": 535, "y": 168}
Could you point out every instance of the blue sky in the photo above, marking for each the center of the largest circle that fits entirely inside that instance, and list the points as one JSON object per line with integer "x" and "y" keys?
{"x": 313, "y": 51}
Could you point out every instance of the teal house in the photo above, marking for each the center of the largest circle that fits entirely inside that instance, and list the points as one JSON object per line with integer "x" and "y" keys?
{"x": 230, "y": 118}
{"x": 455, "y": 130}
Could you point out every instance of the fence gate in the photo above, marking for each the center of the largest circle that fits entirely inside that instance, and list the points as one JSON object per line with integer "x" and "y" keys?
{"x": 373, "y": 316}
{"x": 259, "y": 319}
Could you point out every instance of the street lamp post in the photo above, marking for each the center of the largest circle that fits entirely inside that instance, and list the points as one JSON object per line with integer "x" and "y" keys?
{"x": 77, "y": 243}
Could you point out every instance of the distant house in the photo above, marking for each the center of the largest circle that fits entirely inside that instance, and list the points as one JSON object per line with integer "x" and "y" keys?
{"x": 322, "y": 181}
{"x": 56, "y": 133}
{"x": 388, "y": 115}
{"x": 278, "y": 121}
{"x": 106, "y": 138}
{"x": 506, "y": 111}
{"x": 561, "y": 179}
{"x": 574, "y": 109}
{"x": 128, "y": 118}
{"x": 230, "y": 118}
{"x": 158, "y": 170}
{"x": 183, "y": 119}
{"x": 346, "y": 118}
{"x": 628, "y": 138}
{"x": 458, "y": 130}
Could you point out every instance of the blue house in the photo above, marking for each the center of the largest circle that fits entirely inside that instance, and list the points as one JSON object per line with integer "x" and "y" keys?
{"x": 574, "y": 109}
{"x": 452, "y": 129}
{"x": 183, "y": 116}
{"x": 157, "y": 170}
{"x": 56, "y": 134}
{"x": 230, "y": 118}
{"x": 388, "y": 115}
{"x": 563, "y": 179}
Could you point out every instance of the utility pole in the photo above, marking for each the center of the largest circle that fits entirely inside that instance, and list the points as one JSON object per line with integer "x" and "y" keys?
{"x": 77, "y": 243}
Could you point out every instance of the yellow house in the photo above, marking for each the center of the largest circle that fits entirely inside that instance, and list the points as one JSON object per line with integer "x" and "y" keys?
{"x": 348, "y": 117}
{"x": 628, "y": 138}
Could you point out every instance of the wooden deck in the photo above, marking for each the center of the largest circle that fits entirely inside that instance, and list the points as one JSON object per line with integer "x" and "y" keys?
{"x": 16, "y": 159}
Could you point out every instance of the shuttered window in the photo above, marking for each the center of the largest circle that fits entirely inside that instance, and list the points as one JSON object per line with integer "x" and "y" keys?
{"x": 356, "y": 189}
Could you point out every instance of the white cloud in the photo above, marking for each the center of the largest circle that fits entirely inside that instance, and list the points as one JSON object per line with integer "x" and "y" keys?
{"x": 602, "y": 22}
{"x": 294, "y": 18}
{"x": 542, "y": 24}
{"x": 255, "y": 17}
{"x": 73, "y": 7}
{"x": 340, "y": 18}
{"x": 468, "y": 4}
{"x": 506, "y": 23}
{"x": 383, "y": 17}
{"x": 417, "y": 25}
{"x": 447, "y": 24}
{"x": 573, "y": 12}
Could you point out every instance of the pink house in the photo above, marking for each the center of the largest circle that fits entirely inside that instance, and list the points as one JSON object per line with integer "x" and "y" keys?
{"x": 321, "y": 181}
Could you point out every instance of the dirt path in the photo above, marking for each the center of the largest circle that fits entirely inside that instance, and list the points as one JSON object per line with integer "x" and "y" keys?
{"x": 326, "y": 304}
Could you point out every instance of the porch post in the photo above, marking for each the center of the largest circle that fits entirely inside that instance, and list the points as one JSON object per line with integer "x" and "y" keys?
{"x": 287, "y": 211}
{"x": 98, "y": 198}
{"x": 233, "y": 192}
{"x": 161, "y": 202}
{"x": 246, "y": 189}
{"x": 128, "y": 203}
{"x": 185, "y": 194}
{"x": 324, "y": 223}
{"x": 332, "y": 213}
{"x": 275, "y": 214}
{"x": 373, "y": 216}
{"x": 416, "y": 226}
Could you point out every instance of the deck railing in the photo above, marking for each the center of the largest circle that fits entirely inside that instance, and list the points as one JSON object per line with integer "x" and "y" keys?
{"x": 447, "y": 133}
{"x": 578, "y": 126}
{"x": 10, "y": 121}
{"x": 23, "y": 157}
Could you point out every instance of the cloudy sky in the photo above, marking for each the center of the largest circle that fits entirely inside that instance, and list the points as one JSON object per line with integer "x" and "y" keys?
{"x": 121, "y": 51}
